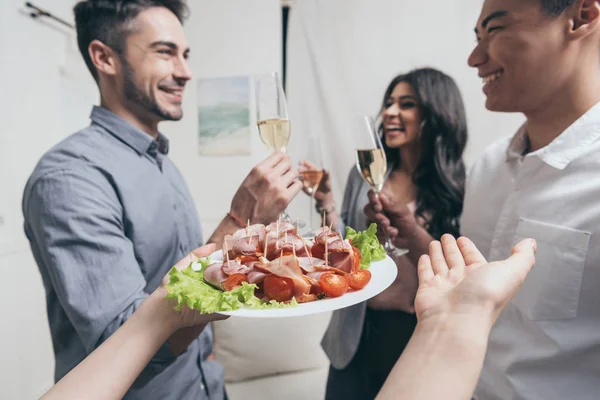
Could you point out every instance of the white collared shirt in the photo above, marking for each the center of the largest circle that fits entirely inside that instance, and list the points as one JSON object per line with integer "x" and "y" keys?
{"x": 546, "y": 343}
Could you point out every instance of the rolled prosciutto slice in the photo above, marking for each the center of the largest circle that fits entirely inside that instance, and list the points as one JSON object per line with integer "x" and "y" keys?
{"x": 234, "y": 267}
{"x": 287, "y": 243}
{"x": 284, "y": 226}
{"x": 238, "y": 247}
{"x": 214, "y": 275}
{"x": 307, "y": 264}
{"x": 255, "y": 275}
{"x": 340, "y": 253}
{"x": 253, "y": 230}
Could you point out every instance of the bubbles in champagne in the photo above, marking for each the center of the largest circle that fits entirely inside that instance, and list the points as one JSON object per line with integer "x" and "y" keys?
{"x": 275, "y": 133}
{"x": 372, "y": 166}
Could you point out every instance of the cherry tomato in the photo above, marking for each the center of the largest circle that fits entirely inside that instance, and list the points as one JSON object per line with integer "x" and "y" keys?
{"x": 318, "y": 251}
{"x": 333, "y": 285}
{"x": 278, "y": 288}
{"x": 357, "y": 257}
{"x": 359, "y": 279}
{"x": 234, "y": 281}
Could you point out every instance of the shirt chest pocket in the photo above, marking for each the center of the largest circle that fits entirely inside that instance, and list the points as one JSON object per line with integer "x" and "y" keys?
{"x": 551, "y": 290}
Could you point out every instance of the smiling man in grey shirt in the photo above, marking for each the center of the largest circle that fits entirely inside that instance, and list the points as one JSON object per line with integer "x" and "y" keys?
{"x": 107, "y": 213}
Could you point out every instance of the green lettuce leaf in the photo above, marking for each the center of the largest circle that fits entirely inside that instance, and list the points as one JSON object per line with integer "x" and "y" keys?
{"x": 188, "y": 287}
{"x": 368, "y": 244}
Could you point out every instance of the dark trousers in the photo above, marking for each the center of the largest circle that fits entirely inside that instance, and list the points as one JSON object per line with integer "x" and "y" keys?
{"x": 385, "y": 335}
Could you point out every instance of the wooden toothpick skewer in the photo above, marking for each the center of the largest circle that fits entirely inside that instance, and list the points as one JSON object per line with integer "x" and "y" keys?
{"x": 326, "y": 251}
{"x": 342, "y": 239}
{"x": 307, "y": 252}
{"x": 226, "y": 251}
{"x": 266, "y": 243}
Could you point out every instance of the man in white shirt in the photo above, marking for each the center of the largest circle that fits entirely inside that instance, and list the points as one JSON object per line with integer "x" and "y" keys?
{"x": 540, "y": 58}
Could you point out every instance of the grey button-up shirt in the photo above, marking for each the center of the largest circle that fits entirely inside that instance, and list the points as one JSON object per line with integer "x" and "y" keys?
{"x": 107, "y": 214}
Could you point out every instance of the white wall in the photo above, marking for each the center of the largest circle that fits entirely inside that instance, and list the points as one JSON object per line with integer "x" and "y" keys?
{"x": 227, "y": 37}
{"x": 46, "y": 94}
{"x": 343, "y": 53}
{"x": 35, "y": 113}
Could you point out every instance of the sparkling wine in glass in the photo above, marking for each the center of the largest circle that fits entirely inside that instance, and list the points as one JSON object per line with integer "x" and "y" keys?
{"x": 272, "y": 115}
{"x": 272, "y": 112}
{"x": 275, "y": 133}
{"x": 371, "y": 162}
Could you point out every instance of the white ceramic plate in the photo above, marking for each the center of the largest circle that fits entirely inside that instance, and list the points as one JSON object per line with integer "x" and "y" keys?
{"x": 383, "y": 274}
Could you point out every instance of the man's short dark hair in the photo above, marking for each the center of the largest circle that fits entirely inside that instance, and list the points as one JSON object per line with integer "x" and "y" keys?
{"x": 554, "y": 8}
{"x": 109, "y": 22}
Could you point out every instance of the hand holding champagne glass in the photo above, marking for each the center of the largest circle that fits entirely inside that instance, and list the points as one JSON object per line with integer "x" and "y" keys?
{"x": 311, "y": 173}
{"x": 372, "y": 165}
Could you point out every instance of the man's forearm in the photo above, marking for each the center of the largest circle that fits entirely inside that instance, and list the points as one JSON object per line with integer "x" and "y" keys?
{"x": 442, "y": 360}
{"x": 227, "y": 227}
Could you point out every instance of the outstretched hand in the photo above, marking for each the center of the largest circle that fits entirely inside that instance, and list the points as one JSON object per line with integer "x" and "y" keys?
{"x": 455, "y": 279}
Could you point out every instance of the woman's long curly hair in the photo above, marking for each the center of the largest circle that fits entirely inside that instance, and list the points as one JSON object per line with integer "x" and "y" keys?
{"x": 440, "y": 174}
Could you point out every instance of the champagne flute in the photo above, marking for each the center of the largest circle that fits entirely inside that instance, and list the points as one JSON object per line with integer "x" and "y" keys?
{"x": 272, "y": 112}
{"x": 311, "y": 173}
{"x": 371, "y": 162}
{"x": 272, "y": 115}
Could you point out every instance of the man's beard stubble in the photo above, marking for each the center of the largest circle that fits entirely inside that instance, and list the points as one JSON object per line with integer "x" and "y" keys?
{"x": 133, "y": 94}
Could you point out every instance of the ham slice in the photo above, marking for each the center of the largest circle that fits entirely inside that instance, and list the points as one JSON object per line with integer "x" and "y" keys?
{"x": 307, "y": 264}
{"x": 316, "y": 275}
{"x": 343, "y": 261}
{"x": 237, "y": 247}
{"x": 311, "y": 264}
{"x": 340, "y": 253}
{"x": 214, "y": 275}
{"x": 253, "y": 230}
{"x": 288, "y": 243}
{"x": 233, "y": 267}
{"x": 256, "y": 276}
{"x": 284, "y": 226}
{"x": 287, "y": 267}
{"x": 324, "y": 233}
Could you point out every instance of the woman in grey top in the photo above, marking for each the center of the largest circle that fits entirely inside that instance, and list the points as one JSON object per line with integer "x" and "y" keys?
{"x": 424, "y": 133}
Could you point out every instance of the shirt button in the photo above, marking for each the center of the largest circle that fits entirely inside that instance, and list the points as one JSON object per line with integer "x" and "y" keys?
{"x": 202, "y": 386}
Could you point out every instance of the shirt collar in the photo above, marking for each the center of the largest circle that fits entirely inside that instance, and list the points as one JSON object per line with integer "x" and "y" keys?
{"x": 129, "y": 134}
{"x": 568, "y": 146}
